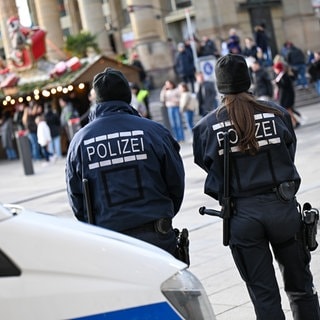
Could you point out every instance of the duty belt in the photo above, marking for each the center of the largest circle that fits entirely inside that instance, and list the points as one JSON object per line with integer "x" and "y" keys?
{"x": 163, "y": 226}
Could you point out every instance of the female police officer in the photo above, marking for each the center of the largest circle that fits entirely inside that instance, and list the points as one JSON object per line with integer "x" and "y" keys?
{"x": 263, "y": 184}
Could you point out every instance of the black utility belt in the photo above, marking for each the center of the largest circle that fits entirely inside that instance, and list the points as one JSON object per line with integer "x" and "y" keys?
{"x": 285, "y": 191}
{"x": 163, "y": 226}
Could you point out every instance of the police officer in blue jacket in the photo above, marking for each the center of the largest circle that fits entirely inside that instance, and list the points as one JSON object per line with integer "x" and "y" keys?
{"x": 263, "y": 184}
{"x": 132, "y": 164}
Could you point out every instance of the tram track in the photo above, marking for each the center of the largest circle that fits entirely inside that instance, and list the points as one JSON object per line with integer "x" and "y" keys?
{"x": 39, "y": 196}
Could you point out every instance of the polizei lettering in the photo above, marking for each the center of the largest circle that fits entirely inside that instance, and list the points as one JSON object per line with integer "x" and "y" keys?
{"x": 265, "y": 132}
{"x": 115, "y": 148}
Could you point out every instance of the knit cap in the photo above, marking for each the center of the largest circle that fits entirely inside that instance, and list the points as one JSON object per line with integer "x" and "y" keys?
{"x": 232, "y": 74}
{"x": 110, "y": 85}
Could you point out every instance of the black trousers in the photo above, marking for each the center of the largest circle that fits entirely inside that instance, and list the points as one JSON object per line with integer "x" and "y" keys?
{"x": 262, "y": 224}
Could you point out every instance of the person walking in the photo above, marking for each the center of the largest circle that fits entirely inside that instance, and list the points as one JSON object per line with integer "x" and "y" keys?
{"x": 44, "y": 137}
{"x": 314, "y": 71}
{"x": 206, "y": 94}
{"x": 170, "y": 97}
{"x": 142, "y": 96}
{"x": 208, "y": 48}
{"x": 184, "y": 65}
{"x": 137, "y": 104}
{"x": 68, "y": 113}
{"x": 250, "y": 49}
{"x": 285, "y": 93}
{"x": 262, "y": 41}
{"x": 133, "y": 166}
{"x": 7, "y": 135}
{"x": 136, "y": 62}
{"x": 188, "y": 106}
{"x": 234, "y": 42}
{"x": 263, "y": 185}
{"x": 53, "y": 121}
{"x": 297, "y": 61}
{"x": 18, "y": 116}
{"x": 29, "y": 121}
{"x": 90, "y": 108}
{"x": 262, "y": 83}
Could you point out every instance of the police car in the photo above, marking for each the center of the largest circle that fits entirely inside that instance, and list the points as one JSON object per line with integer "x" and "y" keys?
{"x": 59, "y": 268}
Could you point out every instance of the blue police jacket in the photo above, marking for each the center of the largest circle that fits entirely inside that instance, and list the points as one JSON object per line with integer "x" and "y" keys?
{"x": 249, "y": 174}
{"x": 133, "y": 167}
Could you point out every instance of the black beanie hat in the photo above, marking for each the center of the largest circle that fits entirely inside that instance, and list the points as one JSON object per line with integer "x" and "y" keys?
{"x": 110, "y": 85}
{"x": 232, "y": 74}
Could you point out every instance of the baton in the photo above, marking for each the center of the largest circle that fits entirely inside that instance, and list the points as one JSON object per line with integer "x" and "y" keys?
{"x": 87, "y": 200}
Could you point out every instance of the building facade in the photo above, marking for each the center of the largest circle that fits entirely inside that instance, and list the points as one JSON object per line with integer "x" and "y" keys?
{"x": 123, "y": 26}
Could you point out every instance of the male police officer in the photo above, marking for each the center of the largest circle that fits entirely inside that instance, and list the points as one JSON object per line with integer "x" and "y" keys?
{"x": 132, "y": 164}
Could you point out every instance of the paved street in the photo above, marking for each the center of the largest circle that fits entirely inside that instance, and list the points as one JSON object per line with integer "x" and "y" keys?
{"x": 210, "y": 260}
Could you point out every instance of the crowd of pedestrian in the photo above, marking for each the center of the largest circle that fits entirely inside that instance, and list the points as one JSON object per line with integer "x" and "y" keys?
{"x": 45, "y": 127}
{"x": 182, "y": 105}
{"x": 276, "y": 78}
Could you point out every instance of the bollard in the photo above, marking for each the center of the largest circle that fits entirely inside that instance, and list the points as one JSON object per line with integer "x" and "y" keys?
{"x": 24, "y": 149}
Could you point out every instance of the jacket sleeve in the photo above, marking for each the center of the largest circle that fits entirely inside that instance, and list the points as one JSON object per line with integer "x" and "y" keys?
{"x": 173, "y": 172}
{"x": 74, "y": 184}
{"x": 199, "y": 145}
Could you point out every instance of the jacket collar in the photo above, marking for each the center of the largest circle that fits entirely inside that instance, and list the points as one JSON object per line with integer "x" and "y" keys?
{"x": 104, "y": 108}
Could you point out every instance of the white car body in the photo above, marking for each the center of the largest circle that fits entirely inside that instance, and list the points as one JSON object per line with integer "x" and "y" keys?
{"x": 59, "y": 268}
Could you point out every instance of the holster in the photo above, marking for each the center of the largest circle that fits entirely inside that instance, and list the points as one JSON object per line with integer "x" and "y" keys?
{"x": 310, "y": 218}
{"x": 163, "y": 225}
{"x": 286, "y": 190}
{"x": 182, "y": 250}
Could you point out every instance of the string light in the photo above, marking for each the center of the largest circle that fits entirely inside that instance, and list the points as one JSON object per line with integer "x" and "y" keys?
{"x": 46, "y": 93}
